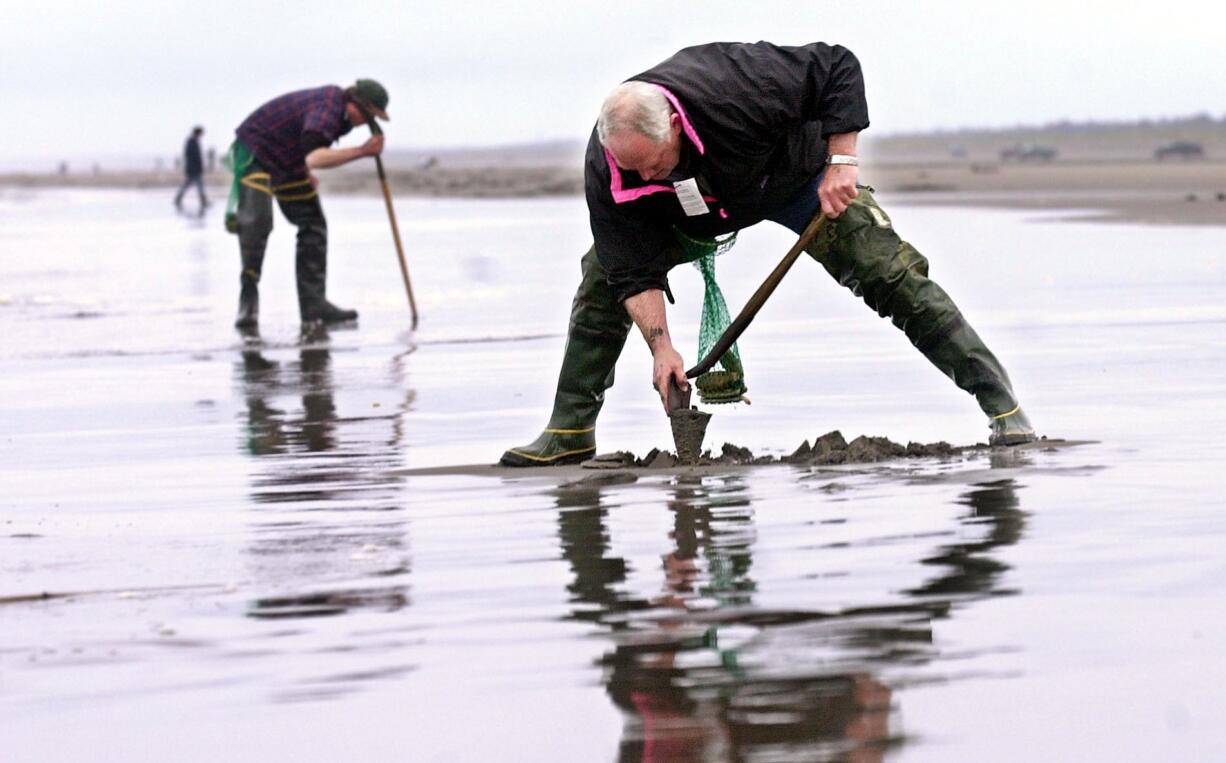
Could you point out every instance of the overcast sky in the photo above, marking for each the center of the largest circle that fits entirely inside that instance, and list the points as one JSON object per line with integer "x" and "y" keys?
{"x": 82, "y": 79}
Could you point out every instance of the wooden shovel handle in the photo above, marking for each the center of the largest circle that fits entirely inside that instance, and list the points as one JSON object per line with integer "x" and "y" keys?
{"x": 747, "y": 314}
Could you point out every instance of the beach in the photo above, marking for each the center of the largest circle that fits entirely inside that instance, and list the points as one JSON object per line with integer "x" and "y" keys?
{"x": 294, "y": 544}
{"x": 1095, "y": 188}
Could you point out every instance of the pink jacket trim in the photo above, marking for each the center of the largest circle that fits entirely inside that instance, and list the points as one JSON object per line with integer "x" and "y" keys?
{"x": 622, "y": 195}
{"x": 685, "y": 120}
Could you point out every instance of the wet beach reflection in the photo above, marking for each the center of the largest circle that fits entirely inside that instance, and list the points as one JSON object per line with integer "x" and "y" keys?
{"x": 329, "y": 533}
{"x": 701, "y": 673}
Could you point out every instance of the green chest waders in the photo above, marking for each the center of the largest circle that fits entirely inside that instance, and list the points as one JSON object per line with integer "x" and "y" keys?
{"x": 594, "y": 341}
{"x": 865, "y": 254}
{"x": 249, "y": 214}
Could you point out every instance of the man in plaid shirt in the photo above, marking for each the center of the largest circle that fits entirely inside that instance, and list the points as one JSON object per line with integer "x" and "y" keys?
{"x": 276, "y": 149}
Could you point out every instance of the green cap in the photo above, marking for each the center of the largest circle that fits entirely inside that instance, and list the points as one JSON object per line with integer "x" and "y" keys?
{"x": 371, "y": 95}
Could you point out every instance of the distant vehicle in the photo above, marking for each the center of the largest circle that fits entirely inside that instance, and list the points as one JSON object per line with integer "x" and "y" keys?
{"x": 1028, "y": 153}
{"x": 1180, "y": 149}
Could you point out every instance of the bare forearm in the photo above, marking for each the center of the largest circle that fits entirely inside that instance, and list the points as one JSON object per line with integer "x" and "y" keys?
{"x": 842, "y": 143}
{"x": 646, "y": 309}
{"x": 324, "y": 158}
{"x": 838, "y": 186}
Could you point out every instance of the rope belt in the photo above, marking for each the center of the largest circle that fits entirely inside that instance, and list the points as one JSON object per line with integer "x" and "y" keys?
{"x": 239, "y": 159}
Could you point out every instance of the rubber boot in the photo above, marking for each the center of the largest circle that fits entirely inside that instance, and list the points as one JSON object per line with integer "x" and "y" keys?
{"x": 1011, "y": 428}
{"x": 254, "y": 220}
{"x": 248, "y": 303}
{"x": 329, "y": 313}
{"x": 311, "y": 263}
{"x": 962, "y": 356}
{"x": 598, "y": 329}
{"x": 864, "y": 253}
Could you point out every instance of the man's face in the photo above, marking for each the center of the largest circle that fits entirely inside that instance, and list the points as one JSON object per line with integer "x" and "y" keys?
{"x": 653, "y": 161}
{"x": 355, "y": 114}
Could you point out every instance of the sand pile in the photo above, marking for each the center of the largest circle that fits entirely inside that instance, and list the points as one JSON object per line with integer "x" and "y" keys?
{"x": 830, "y": 448}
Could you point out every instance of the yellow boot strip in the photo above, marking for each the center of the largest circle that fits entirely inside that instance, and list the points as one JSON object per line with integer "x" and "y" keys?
{"x": 1006, "y": 415}
{"x": 554, "y": 457}
{"x": 562, "y": 454}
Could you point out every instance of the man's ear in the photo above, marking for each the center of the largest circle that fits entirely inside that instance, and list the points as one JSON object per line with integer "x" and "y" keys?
{"x": 674, "y": 123}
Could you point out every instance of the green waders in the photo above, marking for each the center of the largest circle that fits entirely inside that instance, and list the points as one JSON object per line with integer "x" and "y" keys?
{"x": 598, "y": 329}
{"x": 864, "y": 253}
{"x": 299, "y": 202}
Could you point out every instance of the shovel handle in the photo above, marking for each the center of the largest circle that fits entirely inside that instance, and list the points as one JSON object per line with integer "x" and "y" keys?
{"x": 375, "y": 129}
{"x": 747, "y": 314}
{"x": 678, "y": 399}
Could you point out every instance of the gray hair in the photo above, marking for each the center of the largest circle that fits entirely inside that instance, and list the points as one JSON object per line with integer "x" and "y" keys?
{"x": 634, "y": 106}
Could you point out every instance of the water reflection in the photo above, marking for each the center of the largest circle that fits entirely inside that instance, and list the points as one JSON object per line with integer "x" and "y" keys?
{"x": 330, "y": 534}
{"x": 970, "y": 568}
{"x": 703, "y": 674}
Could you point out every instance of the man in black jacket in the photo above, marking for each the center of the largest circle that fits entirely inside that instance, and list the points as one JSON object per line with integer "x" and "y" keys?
{"x": 714, "y": 139}
{"x": 193, "y": 169}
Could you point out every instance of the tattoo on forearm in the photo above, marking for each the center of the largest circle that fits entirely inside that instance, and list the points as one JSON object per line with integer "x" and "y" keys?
{"x": 652, "y": 334}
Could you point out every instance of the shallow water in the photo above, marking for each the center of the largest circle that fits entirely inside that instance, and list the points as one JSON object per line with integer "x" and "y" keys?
{"x": 219, "y": 549}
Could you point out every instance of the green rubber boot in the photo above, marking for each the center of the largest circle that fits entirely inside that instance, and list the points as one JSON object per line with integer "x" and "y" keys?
{"x": 598, "y": 330}
{"x": 254, "y": 223}
{"x": 1012, "y": 428}
{"x": 962, "y": 356}
{"x": 864, "y": 253}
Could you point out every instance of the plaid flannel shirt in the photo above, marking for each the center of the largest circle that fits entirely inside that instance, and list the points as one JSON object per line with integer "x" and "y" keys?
{"x": 283, "y": 131}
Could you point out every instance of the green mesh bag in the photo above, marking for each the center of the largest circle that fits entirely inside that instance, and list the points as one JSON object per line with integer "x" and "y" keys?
{"x": 725, "y": 382}
{"x": 237, "y": 160}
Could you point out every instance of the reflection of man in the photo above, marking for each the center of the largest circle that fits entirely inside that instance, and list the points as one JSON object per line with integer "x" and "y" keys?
{"x": 969, "y": 566}
{"x": 687, "y": 695}
{"x": 300, "y": 563}
{"x": 193, "y": 169}
{"x": 717, "y": 138}
{"x": 269, "y": 430}
{"x": 277, "y": 148}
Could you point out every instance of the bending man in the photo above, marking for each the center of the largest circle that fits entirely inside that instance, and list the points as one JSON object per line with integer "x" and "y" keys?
{"x": 277, "y": 148}
{"x": 717, "y": 138}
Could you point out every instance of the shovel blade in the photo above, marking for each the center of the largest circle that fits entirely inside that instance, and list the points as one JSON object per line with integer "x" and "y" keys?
{"x": 689, "y": 428}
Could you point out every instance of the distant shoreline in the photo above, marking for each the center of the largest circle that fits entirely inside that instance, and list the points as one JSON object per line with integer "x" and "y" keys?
{"x": 1144, "y": 191}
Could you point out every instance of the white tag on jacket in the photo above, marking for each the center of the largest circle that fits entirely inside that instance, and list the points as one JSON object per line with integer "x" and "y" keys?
{"x": 690, "y": 197}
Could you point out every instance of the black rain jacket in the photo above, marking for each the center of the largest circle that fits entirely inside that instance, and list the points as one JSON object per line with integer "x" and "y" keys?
{"x": 755, "y": 119}
{"x": 193, "y": 163}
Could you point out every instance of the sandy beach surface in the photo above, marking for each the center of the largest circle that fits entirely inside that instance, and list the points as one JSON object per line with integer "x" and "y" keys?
{"x": 292, "y": 546}
{"x": 1169, "y": 192}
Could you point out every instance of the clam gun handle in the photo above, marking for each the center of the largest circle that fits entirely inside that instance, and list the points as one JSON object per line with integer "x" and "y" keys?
{"x": 747, "y": 314}
{"x": 375, "y": 129}
{"x": 678, "y": 399}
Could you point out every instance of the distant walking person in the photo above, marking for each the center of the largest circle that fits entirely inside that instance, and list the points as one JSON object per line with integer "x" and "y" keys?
{"x": 193, "y": 169}
{"x": 276, "y": 149}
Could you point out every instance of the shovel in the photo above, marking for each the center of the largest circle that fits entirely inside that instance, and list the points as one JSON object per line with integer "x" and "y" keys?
{"x": 690, "y": 424}
{"x": 391, "y": 216}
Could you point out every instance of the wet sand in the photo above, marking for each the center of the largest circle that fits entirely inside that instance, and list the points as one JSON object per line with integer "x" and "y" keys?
{"x": 623, "y": 467}
{"x": 252, "y": 549}
{"x": 1146, "y": 191}
{"x": 1149, "y": 192}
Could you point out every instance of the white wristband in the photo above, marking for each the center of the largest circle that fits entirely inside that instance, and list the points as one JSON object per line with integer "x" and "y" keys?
{"x": 843, "y": 159}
